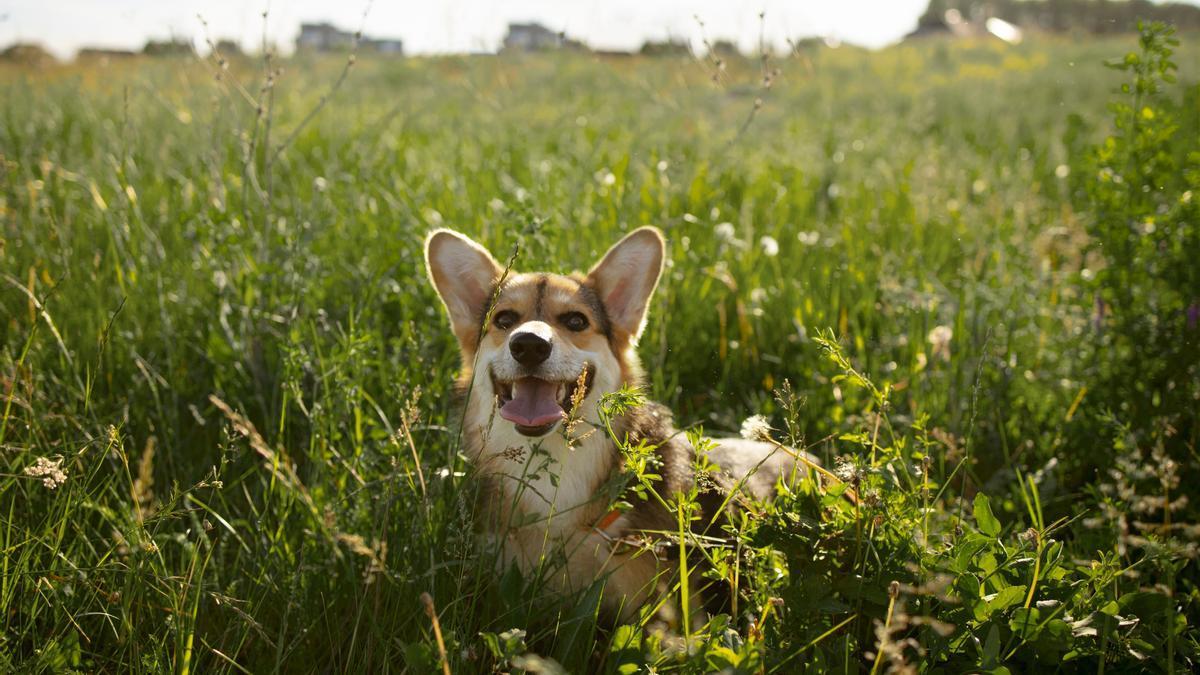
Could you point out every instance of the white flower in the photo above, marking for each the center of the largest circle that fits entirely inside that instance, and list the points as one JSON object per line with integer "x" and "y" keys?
{"x": 725, "y": 232}
{"x": 844, "y": 468}
{"x": 662, "y": 165}
{"x": 769, "y": 246}
{"x": 320, "y": 184}
{"x": 50, "y": 471}
{"x": 940, "y": 338}
{"x": 809, "y": 238}
{"x": 756, "y": 428}
{"x": 758, "y": 296}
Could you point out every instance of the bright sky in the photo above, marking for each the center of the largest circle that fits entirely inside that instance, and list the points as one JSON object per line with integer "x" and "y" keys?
{"x": 432, "y": 26}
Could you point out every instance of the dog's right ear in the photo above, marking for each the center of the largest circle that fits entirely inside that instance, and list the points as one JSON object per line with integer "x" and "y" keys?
{"x": 464, "y": 274}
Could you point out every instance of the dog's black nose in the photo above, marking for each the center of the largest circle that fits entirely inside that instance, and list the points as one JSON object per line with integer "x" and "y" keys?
{"x": 528, "y": 349}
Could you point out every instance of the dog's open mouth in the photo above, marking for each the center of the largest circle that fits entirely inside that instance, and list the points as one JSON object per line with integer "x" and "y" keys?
{"x": 535, "y": 405}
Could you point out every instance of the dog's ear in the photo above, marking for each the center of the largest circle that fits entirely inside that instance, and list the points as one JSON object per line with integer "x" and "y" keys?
{"x": 464, "y": 274}
{"x": 626, "y": 277}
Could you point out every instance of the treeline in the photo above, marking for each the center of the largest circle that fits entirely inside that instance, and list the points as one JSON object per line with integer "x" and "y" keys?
{"x": 1066, "y": 16}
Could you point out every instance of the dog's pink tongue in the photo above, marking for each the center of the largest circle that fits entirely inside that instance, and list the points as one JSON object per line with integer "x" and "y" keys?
{"x": 533, "y": 403}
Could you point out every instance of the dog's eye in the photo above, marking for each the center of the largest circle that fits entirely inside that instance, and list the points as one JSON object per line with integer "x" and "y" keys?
{"x": 505, "y": 319}
{"x": 574, "y": 321}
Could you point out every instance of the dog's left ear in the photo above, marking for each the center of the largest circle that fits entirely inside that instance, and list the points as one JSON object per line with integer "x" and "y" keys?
{"x": 626, "y": 277}
{"x": 464, "y": 274}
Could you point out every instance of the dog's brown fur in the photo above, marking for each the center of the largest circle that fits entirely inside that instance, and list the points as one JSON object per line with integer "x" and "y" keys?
{"x": 567, "y": 519}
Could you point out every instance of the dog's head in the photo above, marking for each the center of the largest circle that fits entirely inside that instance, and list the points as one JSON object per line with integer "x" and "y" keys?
{"x": 547, "y": 334}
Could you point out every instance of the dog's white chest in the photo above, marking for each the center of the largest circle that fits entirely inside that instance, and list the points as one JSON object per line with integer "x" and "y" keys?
{"x": 549, "y": 481}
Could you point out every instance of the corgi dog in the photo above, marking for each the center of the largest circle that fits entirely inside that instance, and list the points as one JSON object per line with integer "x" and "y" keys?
{"x": 539, "y": 353}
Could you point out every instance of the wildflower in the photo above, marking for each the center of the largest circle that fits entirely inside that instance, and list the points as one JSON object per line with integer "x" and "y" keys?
{"x": 756, "y": 428}
{"x": 844, "y": 468}
{"x": 320, "y": 184}
{"x": 939, "y": 338}
{"x": 50, "y": 471}
{"x": 725, "y": 232}
{"x": 758, "y": 296}
{"x": 769, "y": 246}
{"x": 809, "y": 238}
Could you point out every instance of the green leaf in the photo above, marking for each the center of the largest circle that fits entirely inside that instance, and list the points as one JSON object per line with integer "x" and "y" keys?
{"x": 999, "y": 601}
{"x": 626, "y": 650}
{"x": 1144, "y": 604}
{"x": 991, "y": 648}
{"x": 1025, "y": 622}
{"x": 988, "y": 524}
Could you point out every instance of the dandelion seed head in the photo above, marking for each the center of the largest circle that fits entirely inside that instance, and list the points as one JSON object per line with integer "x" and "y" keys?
{"x": 940, "y": 338}
{"x": 756, "y": 428}
{"x": 769, "y": 246}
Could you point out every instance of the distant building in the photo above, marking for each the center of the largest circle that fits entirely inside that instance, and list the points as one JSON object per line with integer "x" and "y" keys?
{"x": 325, "y": 37}
{"x": 534, "y": 37}
{"x": 531, "y": 37}
{"x": 383, "y": 46}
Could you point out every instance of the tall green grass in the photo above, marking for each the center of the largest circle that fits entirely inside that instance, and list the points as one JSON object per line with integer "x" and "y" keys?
{"x": 213, "y": 311}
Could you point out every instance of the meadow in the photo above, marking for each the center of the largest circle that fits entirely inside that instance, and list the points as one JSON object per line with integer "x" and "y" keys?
{"x": 228, "y": 437}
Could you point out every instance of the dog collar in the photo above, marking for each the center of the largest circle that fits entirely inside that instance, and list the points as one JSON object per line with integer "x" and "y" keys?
{"x": 608, "y": 519}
